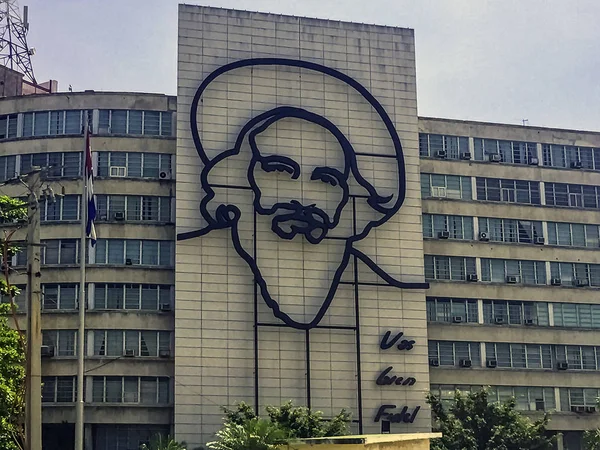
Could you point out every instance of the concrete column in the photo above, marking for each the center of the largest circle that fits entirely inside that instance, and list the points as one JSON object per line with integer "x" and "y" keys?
{"x": 483, "y": 354}
{"x": 539, "y": 153}
{"x": 559, "y": 442}
{"x": 548, "y": 275}
{"x": 542, "y": 193}
{"x": 472, "y": 147}
{"x": 478, "y": 268}
{"x": 475, "y": 228}
{"x": 545, "y": 231}
{"x": 20, "y": 125}
{"x": 88, "y": 437}
{"x": 480, "y": 311}
{"x": 551, "y": 314}
{"x": 473, "y": 188}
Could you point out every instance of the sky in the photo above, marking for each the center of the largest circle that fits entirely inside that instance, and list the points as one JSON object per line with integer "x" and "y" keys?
{"x": 486, "y": 60}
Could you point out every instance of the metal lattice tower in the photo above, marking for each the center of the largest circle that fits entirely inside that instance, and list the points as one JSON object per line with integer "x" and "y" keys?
{"x": 14, "y": 51}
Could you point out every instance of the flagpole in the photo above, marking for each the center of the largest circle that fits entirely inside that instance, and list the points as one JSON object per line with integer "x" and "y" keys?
{"x": 80, "y": 417}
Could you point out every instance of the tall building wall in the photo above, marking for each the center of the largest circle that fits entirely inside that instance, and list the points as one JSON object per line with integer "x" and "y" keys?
{"x": 241, "y": 323}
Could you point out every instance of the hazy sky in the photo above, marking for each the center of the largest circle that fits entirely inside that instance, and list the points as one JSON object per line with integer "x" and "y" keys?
{"x": 494, "y": 60}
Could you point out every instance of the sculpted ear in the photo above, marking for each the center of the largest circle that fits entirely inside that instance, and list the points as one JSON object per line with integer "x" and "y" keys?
{"x": 227, "y": 215}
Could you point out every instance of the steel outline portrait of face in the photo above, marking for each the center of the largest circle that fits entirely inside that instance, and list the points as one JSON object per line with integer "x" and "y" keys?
{"x": 291, "y": 219}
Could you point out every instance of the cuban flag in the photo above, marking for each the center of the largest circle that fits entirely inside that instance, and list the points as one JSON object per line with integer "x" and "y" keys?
{"x": 90, "y": 230}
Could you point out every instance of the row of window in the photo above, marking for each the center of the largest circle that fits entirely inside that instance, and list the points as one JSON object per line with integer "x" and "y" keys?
{"x": 142, "y": 390}
{"x": 572, "y": 195}
{"x": 457, "y": 310}
{"x": 69, "y": 122}
{"x": 512, "y": 271}
{"x": 508, "y": 191}
{"x": 68, "y": 164}
{"x": 511, "y": 230}
{"x": 107, "y": 251}
{"x": 527, "y": 398}
{"x": 515, "y": 356}
{"x": 111, "y": 342}
{"x": 133, "y": 208}
{"x": 111, "y": 296}
{"x": 509, "y": 152}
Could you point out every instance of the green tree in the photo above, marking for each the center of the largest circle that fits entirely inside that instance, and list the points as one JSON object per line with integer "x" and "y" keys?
{"x": 471, "y": 422}
{"x": 13, "y": 213}
{"x": 591, "y": 439}
{"x": 253, "y": 434}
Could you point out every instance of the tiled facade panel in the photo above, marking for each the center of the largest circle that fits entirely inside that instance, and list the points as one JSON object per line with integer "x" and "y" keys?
{"x": 215, "y": 352}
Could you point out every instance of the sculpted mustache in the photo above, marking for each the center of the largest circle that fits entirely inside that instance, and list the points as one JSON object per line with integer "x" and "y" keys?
{"x": 311, "y": 215}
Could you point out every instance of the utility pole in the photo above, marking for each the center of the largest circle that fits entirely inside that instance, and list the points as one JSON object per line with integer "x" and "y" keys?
{"x": 33, "y": 372}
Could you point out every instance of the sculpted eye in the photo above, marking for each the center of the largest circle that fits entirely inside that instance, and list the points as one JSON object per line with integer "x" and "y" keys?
{"x": 328, "y": 175}
{"x": 277, "y": 163}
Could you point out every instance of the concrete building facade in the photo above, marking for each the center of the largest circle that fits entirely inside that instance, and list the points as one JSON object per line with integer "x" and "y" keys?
{"x": 502, "y": 221}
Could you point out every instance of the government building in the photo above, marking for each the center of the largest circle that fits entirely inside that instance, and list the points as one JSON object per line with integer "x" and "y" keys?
{"x": 287, "y": 227}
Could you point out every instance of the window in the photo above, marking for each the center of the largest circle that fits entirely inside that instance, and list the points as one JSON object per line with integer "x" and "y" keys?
{"x": 576, "y": 315}
{"x": 511, "y": 230}
{"x": 520, "y": 356}
{"x": 133, "y": 165}
{"x": 573, "y": 234}
{"x": 149, "y": 123}
{"x": 60, "y": 296}
{"x": 566, "y": 156}
{"x": 449, "y": 353}
{"x": 126, "y": 437}
{"x": 147, "y": 390}
{"x": 576, "y": 274}
{"x": 448, "y": 267}
{"x": 62, "y": 209}
{"x": 508, "y": 191}
{"x": 458, "y": 227}
{"x": 20, "y": 299}
{"x": 8, "y": 126}
{"x": 450, "y": 309}
{"x": 58, "y": 389}
{"x": 527, "y": 398}
{"x": 149, "y": 297}
{"x": 513, "y": 271}
{"x": 445, "y": 186}
{"x": 63, "y": 341}
{"x": 570, "y": 397}
{"x": 510, "y": 152}
{"x": 134, "y": 252}
{"x": 133, "y": 208}
{"x": 515, "y": 312}
{"x": 47, "y": 123}
{"x": 60, "y": 164}
{"x": 141, "y": 343}
{"x": 8, "y": 167}
{"x": 572, "y": 195}
{"x": 453, "y": 146}
{"x": 579, "y": 357}
{"x": 54, "y": 252}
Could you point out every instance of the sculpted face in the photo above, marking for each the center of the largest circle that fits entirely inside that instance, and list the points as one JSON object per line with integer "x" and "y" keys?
{"x": 315, "y": 193}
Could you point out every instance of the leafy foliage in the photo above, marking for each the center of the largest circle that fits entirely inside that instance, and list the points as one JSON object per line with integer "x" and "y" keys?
{"x": 471, "y": 422}
{"x": 254, "y": 434}
{"x": 12, "y": 375}
{"x": 244, "y": 430}
{"x": 591, "y": 439}
{"x": 160, "y": 442}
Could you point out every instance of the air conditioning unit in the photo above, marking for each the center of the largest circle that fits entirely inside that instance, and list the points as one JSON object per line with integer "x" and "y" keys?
{"x": 434, "y": 362}
{"x": 457, "y": 319}
{"x": 118, "y": 171}
{"x": 495, "y": 157}
{"x": 128, "y": 262}
{"x": 443, "y": 235}
{"x": 581, "y": 283}
{"x": 472, "y": 277}
{"x": 466, "y": 363}
{"x": 577, "y": 409}
{"x": 438, "y": 191}
{"x": 483, "y": 236}
{"x": 47, "y": 351}
{"x": 164, "y": 353}
{"x": 119, "y": 215}
{"x": 529, "y": 322}
{"x": 512, "y": 279}
{"x": 491, "y": 364}
{"x": 576, "y": 165}
{"x": 499, "y": 320}
{"x": 465, "y": 155}
{"x": 165, "y": 307}
{"x": 555, "y": 281}
{"x": 440, "y": 154}
{"x": 164, "y": 175}
{"x": 540, "y": 240}
{"x": 590, "y": 409}
{"x": 129, "y": 353}
{"x": 533, "y": 161}
{"x": 562, "y": 365}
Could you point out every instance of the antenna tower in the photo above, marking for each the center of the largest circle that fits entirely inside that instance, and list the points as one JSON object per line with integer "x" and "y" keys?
{"x": 14, "y": 51}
